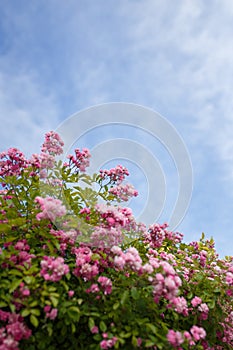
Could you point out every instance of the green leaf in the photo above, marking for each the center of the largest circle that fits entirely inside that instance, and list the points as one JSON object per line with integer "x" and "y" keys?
{"x": 95, "y": 257}
{"x": 134, "y": 293}
{"x": 34, "y": 320}
{"x": 91, "y": 323}
{"x": 124, "y": 297}
{"x": 52, "y": 289}
{"x": 116, "y": 306}
{"x": 75, "y": 309}
{"x": 2, "y": 304}
{"x": 149, "y": 343}
{"x": 51, "y": 247}
{"x": 14, "y": 285}
{"x": 73, "y": 327}
{"x": 74, "y": 313}
{"x": 103, "y": 326}
{"x": 54, "y": 301}
{"x": 35, "y": 312}
{"x": 211, "y": 304}
{"x": 15, "y": 272}
{"x": 190, "y": 295}
{"x": 29, "y": 279}
{"x": 125, "y": 335}
{"x": 134, "y": 341}
{"x": 97, "y": 337}
{"x": 34, "y": 303}
{"x": 25, "y": 312}
{"x": 65, "y": 285}
{"x": 50, "y": 329}
{"x": 12, "y": 307}
{"x": 152, "y": 328}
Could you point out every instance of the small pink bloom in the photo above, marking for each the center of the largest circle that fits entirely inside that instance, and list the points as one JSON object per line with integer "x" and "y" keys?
{"x": 26, "y": 292}
{"x": 51, "y": 314}
{"x": 198, "y": 333}
{"x": 47, "y": 308}
{"x": 51, "y": 208}
{"x": 104, "y": 344}
{"x": 52, "y": 269}
{"x": 203, "y": 308}
{"x": 196, "y": 301}
{"x": 71, "y": 293}
{"x": 174, "y": 338}
{"x": 95, "y": 330}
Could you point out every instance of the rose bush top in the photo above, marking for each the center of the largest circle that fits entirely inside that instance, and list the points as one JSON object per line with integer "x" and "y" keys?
{"x": 78, "y": 271}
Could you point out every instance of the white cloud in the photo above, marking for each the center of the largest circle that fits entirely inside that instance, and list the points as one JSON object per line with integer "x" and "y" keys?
{"x": 25, "y": 113}
{"x": 185, "y": 52}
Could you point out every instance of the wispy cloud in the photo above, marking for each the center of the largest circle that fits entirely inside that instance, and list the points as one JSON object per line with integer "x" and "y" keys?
{"x": 187, "y": 50}
{"x": 25, "y": 113}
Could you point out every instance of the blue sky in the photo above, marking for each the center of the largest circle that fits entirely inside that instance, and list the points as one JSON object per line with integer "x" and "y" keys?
{"x": 59, "y": 57}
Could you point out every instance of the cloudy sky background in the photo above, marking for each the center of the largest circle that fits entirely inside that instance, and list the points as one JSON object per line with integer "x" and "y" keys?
{"x": 60, "y": 57}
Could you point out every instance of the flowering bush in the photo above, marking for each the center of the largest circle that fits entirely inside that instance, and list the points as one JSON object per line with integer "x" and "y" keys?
{"x": 78, "y": 272}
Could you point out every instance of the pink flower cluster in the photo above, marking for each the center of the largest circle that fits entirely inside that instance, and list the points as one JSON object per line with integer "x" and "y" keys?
{"x": 107, "y": 343}
{"x": 228, "y": 329}
{"x": 106, "y": 284}
{"x": 94, "y": 288}
{"x": 65, "y": 238}
{"x": 53, "y": 144}
{"x": 196, "y": 301}
{"x": 51, "y": 208}
{"x": 130, "y": 258}
{"x": 166, "y": 283}
{"x": 180, "y": 305}
{"x": 22, "y": 255}
{"x": 157, "y": 234}
{"x": 42, "y": 161}
{"x": 13, "y": 331}
{"x": 12, "y": 162}
{"x": 85, "y": 211}
{"x": 85, "y": 266}
{"x": 115, "y": 175}
{"x": 229, "y": 276}
{"x": 201, "y": 307}
{"x": 50, "y": 313}
{"x": 51, "y": 147}
{"x": 124, "y": 192}
{"x": 20, "y": 295}
{"x": 103, "y": 237}
{"x": 115, "y": 216}
{"x": 52, "y": 269}
{"x": 47, "y": 161}
{"x": 24, "y": 291}
{"x": 198, "y": 333}
{"x": 80, "y": 161}
{"x": 176, "y": 338}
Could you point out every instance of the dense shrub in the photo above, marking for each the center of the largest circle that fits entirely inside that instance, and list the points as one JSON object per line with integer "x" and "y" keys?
{"x": 78, "y": 272}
